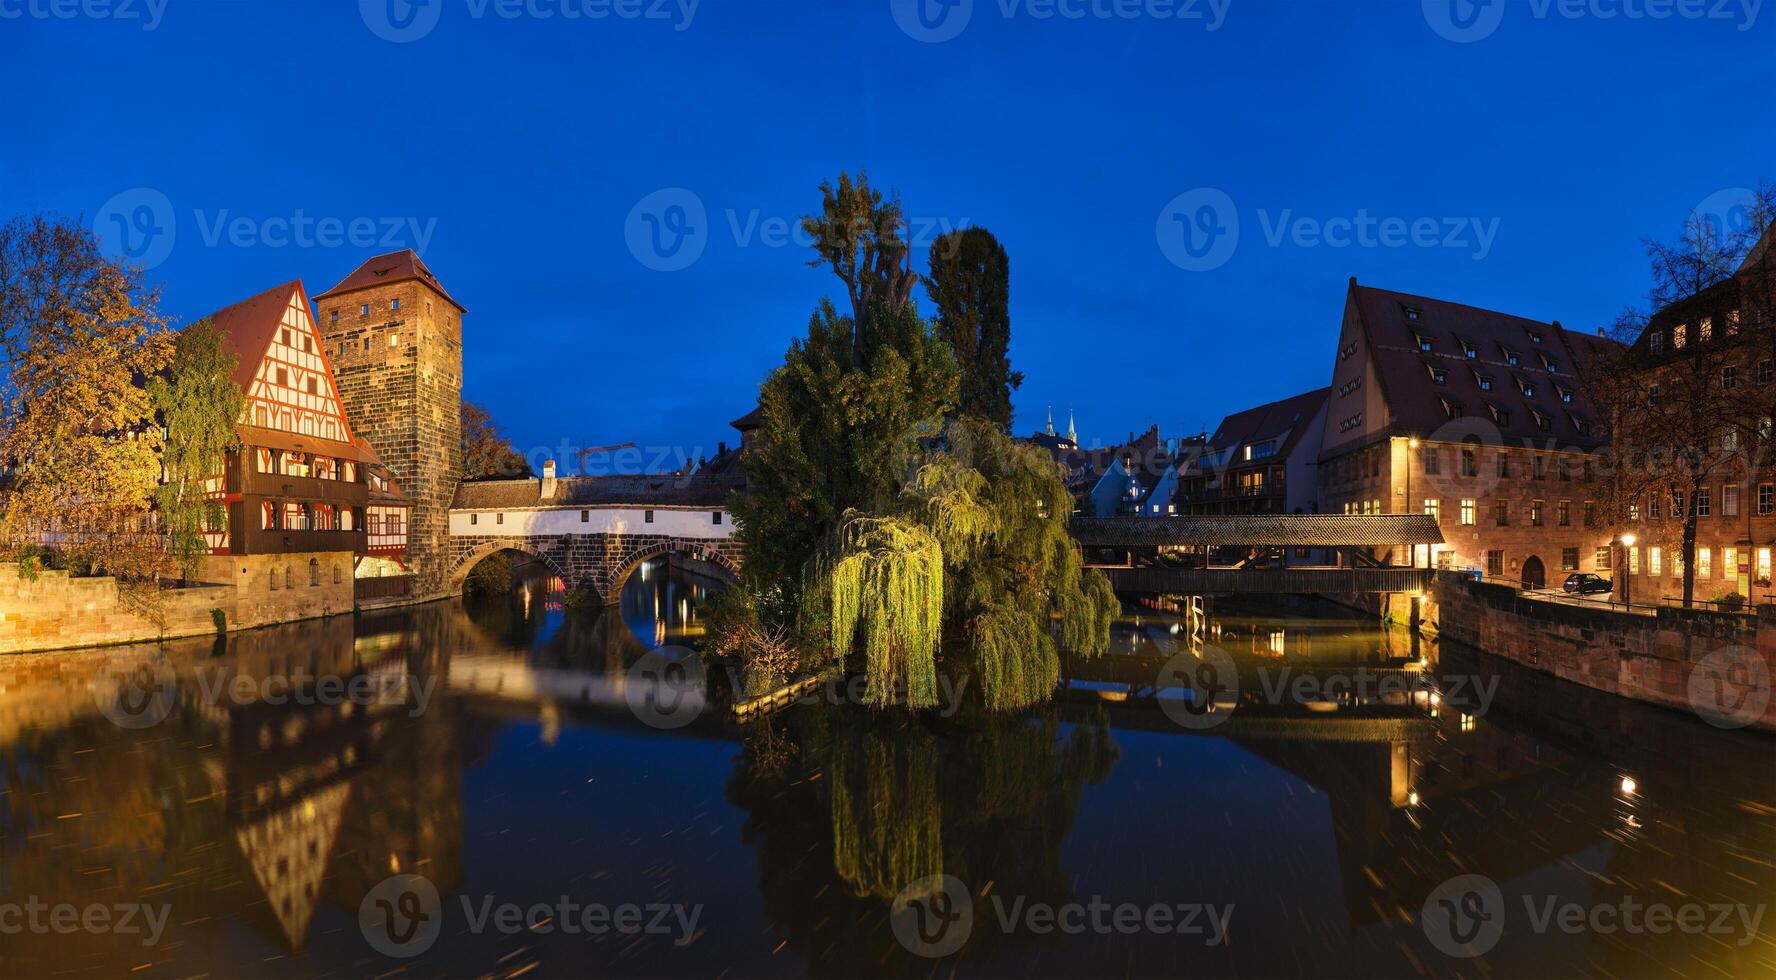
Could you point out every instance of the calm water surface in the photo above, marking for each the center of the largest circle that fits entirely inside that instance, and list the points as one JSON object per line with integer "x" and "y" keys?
{"x": 499, "y": 759}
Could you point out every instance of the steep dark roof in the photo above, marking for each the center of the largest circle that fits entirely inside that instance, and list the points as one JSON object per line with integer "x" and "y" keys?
{"x": 751, "y": 420}
{"x": 1416, "y": 401}
{"x": 651, "y": 490}
{"x": 1289, "y": 417}
{"x": 384, "y": 269}
{"x": 1282, "y": 530}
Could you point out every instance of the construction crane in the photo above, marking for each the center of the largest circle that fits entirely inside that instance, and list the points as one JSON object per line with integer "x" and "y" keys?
{"x": 600, "y": 449}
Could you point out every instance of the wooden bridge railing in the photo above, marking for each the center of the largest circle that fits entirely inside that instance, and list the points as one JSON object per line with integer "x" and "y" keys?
{"x": 1160, "y": 579}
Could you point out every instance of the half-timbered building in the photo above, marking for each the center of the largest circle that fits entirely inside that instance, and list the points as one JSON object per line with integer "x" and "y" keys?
{"x": 308, "y": 504}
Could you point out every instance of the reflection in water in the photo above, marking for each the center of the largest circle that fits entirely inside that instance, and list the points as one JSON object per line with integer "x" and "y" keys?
{"x": 498, "y": 758}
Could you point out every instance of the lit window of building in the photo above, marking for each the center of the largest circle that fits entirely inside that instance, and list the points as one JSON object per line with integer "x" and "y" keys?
{"x": 1655, "y": 562}
{"x": 1467, "y": 512}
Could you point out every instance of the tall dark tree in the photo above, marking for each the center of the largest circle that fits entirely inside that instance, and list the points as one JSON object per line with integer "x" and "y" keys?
{"x": 198, "y": 402}
{"x": 858, "y": 234}
{"x": 970, "y": 282}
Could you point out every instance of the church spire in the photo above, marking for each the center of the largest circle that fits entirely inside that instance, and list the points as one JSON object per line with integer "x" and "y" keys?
{"x": 1072, "y": 433}
{"x": 1051, "y": 420}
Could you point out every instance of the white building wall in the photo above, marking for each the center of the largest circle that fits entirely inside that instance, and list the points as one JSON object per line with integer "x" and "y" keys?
{"x": 676, "y": 522}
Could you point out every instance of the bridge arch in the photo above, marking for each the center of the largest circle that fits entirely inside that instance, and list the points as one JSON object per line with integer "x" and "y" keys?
{"x": 636, "y": 556}
{"x": 459, "y": 573}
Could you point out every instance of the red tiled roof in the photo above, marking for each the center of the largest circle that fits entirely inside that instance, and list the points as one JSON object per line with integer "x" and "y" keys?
{"x": 1416, "y": 401}
{"x": 384, "y": 269}
{"x": 247, "y": 327}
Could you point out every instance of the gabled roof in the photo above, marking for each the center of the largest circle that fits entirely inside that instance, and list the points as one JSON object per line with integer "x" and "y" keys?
{"x": 248, "y": 326}
{"x": 1761, "y": 249}
{"x": 1286, "y": 420}
{"x": 384, "y": 269}
{"x": 1393, "y": 325}
{"x": 751, "y": 420}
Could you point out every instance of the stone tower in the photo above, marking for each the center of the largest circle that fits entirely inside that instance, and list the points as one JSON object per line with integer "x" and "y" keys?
{"x": 394, "y": 337}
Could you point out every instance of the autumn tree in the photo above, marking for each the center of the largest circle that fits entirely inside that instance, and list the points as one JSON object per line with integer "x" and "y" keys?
{"x": 198, "y": 403}
{"x": 79, "y": 333}
{"x": 486, "y": 451}
{"x": 970, "y": 283}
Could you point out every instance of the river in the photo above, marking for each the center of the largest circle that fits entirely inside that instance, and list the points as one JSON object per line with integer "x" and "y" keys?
{"x": 176, "y": 810}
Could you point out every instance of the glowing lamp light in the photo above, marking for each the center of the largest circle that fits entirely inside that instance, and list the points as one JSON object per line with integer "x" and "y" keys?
{"x": 1412, "y": 798}
{"x": 1628, "y": 540}
{"x": 1629, "y": 786}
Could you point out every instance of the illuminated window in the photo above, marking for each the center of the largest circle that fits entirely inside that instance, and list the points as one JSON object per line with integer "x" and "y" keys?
{"x": 263, "y": 461}
{"x": 1705, "y": 329}
{"x": 1655, "y": 562}
{"x": 1729, "y": 562}
{"x": 1677, "y": 335}
{"x": 1467, "y": 512}
{"x": 1535, "y": 513}
{"x": 345, "y": 518}
{"x": 1704, "y": 563}
{"x": 1729, "y": 501}
{"x": 1602, "y": 558}
{"x": 1433, "y": 507}
{"x": 1763, "y": 565}
{"x": 1634, "y": 560}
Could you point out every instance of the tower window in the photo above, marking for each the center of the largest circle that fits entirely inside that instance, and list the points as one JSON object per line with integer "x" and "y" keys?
{"x": 335, "y": 316}
{"x": 366, "y": 343}
{"x": 716, "y": 517}
{"x": 392, "y": 340}
{"x": 394, "y": 304}
{"x": 364, "y": 310}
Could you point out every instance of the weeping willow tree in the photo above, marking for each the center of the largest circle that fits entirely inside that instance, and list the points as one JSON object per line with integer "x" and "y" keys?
{"x": 979, "y": 545}
{"x": 887, "y": 821}
{"x": 886, "y": 580}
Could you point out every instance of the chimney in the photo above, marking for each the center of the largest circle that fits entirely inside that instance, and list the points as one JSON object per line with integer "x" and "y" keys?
{"x": 548, "y": 483}
{"x": 721, "y": 449}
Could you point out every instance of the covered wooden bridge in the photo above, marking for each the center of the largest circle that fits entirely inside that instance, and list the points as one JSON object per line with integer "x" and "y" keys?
{"x": 1351, "y": 540}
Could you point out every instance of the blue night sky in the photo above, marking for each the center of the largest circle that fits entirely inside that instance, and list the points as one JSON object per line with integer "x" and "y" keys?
{"x": 513, "y": 150}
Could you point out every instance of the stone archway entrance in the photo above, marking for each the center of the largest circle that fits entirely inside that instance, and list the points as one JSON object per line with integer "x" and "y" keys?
{"x": 1534, "y": 575}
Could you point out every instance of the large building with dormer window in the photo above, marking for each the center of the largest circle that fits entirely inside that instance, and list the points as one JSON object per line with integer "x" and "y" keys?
{"x": 1475, "y": 417}
{"x": 307, "y": 503}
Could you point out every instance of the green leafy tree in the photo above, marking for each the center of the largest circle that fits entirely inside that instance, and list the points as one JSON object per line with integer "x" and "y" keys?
{"x": 198, "y": 403}
{"x": 970, "y": 283}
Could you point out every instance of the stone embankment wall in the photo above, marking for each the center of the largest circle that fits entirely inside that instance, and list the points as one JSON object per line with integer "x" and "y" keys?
{"x": 1668, "y": 656}
{"x": 57, "y": 611}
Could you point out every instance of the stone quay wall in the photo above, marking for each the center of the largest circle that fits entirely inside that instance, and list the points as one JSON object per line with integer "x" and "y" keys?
{"x": 1668, "y": 656}
{"x": 57, "y": 611}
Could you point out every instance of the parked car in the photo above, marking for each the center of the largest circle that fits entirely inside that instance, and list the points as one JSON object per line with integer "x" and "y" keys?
{"x": 1585, "y": 583}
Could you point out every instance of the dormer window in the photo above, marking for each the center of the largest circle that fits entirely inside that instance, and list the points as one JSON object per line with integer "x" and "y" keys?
{"x": 1439, "y": 375}
{"x": 1656, "y": 341}
{"x": 1424, "y": 342}
{"x": 1542, "y": 421}
{"x": 1548, "y": 363}
{"x": 1510, "y": 356}
{"x": 1566, "y": 394}
{"x": 1413, "y": 313}
{"x": 1583, "y": 425}
{"x": 1484, "y": 381}
{"x": 1499, "y": 415}
{"x": 1469, "y": 351}
{"x": 1451, "y": 409}
{"x": 1526, "y": 387}
{"x": 1535, "y": 336}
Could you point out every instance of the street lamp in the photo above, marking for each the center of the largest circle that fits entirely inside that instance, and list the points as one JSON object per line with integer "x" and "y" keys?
{"x": 1411, "y": 450}
{"x": 1627, "y": 579}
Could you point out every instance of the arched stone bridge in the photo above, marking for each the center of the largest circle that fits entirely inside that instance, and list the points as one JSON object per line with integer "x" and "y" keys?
{"x": 593, "y": 532}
